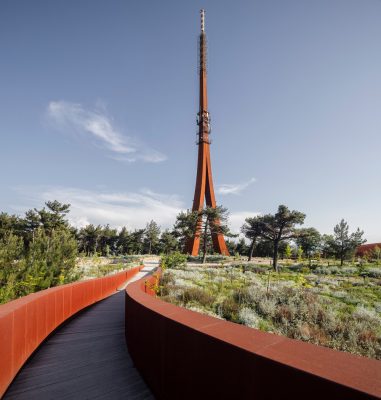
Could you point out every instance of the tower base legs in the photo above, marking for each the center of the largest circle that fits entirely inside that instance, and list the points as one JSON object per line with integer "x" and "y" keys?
{"x": 219, "y": 245}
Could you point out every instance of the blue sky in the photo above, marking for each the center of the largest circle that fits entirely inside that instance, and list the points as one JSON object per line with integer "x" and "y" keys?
{"x": 98, "y": 103}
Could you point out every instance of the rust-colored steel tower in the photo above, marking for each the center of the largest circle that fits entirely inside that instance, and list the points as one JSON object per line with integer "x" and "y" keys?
{"x": 204, "y": 182}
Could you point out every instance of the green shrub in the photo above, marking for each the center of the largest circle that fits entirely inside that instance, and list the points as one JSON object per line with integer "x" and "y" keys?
{"x": 213, "y": 258}
{"x": 264, "y": 325}
{"x": 257, "y": 269}
{"x": 247, "y": 316}
{"x": 196, "y": 295}
{"x": 374, "y": 272}
{"x": 167, "y": 279}
{"x": 173, "y": 260}
{"x": 230, "y": 309}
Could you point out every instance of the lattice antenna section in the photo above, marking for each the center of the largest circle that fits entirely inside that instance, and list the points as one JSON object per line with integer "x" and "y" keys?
{"x": 203, "y": 48}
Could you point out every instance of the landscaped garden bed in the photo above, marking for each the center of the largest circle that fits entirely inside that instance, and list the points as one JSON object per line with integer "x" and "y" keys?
{"x": 337, "y": 307}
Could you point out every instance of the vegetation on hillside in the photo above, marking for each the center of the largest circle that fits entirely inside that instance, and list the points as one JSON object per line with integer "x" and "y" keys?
{"x": 337, "y": 307}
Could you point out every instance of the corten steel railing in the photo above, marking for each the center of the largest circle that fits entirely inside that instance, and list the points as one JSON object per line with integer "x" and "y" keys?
{"x": 26, "y": 322}
{"x": 186, "y": 355}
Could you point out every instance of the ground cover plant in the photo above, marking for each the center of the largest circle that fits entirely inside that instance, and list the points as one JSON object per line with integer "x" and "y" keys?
{"x": 94, "y": 267}
{"x": 337, "y": 307}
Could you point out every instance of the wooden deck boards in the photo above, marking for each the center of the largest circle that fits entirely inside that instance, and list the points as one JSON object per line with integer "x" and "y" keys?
{"x": 86, "y": 358}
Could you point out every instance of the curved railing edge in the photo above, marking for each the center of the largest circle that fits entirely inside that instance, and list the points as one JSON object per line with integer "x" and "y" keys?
{"x": 26, "y": 322}
{"x": 156, "y": 332}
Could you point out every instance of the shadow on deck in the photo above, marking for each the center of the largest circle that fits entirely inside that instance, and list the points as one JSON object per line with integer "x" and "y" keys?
{"x": 86, "y": 358}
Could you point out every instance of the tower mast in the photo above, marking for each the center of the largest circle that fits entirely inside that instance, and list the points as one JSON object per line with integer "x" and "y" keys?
{"x": 204, "y": 190}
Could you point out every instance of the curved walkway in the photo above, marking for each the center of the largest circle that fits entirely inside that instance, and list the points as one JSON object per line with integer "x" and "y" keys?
{"x": 86, "y": 358}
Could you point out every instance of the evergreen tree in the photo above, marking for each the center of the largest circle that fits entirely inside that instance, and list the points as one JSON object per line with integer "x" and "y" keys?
{"x": 36, "y": 252}
{"x": 54, "y": 216}
{"x": 123, "y": 241}
{"x": 242, "y": 248}
{"x": 89, "y": 237}
{"x": 151, "y": 237}
{"x": 185, "y": 226}
{"x": 136, "y": 243}
{"x": 288, "y": 251}
{"x": 231, "y": 245}
{"x": 343, "y": 244}
{"x": 310, "y": 240}
{"x": 11, "y": 265}
{"x": 107, "y": 241}
{"x": 252, "y": 229}
{"x": 168, "y": 242}
{"x": 280, "y": 227}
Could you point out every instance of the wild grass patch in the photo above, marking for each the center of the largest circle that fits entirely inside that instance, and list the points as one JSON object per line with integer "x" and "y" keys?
{"x": 337, "y": 310}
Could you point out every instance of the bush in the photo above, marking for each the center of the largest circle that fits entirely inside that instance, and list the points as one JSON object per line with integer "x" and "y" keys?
{"x": 167, "y": 279}
{"x": 48, "y": 261}
{"x": 196, "y": 295}
{"x": 247, "y": 316}
{"x": 374, "y": 272}
{"x": 257, "y": 269}
{"x": 173, "y": 260}
{"x": 295, "y": 267}
{"x": 211, "y": 258}
{"x": 230, "y": 309}
{"x": 343, "y": 271}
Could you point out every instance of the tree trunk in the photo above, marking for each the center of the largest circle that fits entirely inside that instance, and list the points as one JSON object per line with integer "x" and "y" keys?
{"x": 204, "y": 257}
{"x": 275, "y": 256}
{"x": 251, "y": 250}
{"x": 205, "y": 242}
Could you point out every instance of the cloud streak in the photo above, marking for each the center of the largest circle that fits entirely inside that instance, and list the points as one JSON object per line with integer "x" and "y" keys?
{"x": 237, "y": 188}
{"x": 99, "y": 125}
{"x": 130, "y": 209}
{"x": 118, "y": 209}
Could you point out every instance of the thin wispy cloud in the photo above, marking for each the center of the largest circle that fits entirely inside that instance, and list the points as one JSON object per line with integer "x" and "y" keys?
{"x": 130, "y": 209}
{"x": 236, "y": 188}
{"x": 66, "y": 115}
{"x": 116, "y": 208}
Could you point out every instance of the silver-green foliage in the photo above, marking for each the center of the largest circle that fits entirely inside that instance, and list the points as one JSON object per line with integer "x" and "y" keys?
{"x": 333, "y": 311}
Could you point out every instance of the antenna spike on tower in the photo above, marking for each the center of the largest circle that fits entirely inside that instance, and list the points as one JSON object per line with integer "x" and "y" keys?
{"x": 202, "y": 12}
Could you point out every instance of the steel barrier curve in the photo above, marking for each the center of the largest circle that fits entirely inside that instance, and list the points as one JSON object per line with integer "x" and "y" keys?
{"x": 26, "y": 322}
{"x": 183, "y": 354}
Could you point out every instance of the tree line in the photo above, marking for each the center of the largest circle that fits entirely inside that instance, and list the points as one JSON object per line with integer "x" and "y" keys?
{"x": 269, "y": 235}
{"x": 279, "y": 229}
{"x": 39, "y": 250}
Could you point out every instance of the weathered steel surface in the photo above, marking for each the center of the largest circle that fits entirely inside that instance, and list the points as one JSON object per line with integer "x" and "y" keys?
{"x": 26, "y": 322}
{"x": 367, "y": 249}
{"x": 204, "y": 190}
{"x": 86, "y": 358}
{"x": 186, "y": 355}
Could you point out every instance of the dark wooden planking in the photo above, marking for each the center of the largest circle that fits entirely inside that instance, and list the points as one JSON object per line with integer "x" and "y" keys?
{"x": 86, "y": 358}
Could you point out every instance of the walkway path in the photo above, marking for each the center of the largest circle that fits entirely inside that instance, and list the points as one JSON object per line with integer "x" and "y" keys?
{"x": 86, "y": 358}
